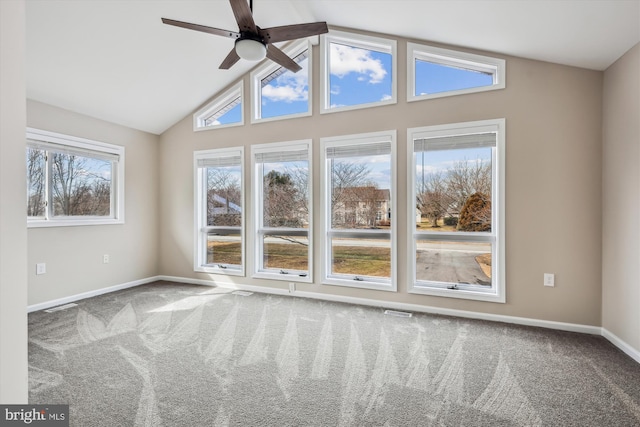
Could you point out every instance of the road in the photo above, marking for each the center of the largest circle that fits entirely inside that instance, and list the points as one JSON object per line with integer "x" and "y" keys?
{"x": 450, "y": 266}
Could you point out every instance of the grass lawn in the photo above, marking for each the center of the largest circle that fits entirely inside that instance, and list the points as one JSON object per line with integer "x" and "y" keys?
{"x": 356, "y": 260}
{"x": 426, "y": 225}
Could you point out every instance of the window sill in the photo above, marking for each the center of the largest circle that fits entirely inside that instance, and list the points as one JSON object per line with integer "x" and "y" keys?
{"x": 290, "y": 277}
{"x": 377, "y": 286}
{"x": 72, "y": 222}
{"x": 458, "y": 293}
{"x": 218, "y": 270}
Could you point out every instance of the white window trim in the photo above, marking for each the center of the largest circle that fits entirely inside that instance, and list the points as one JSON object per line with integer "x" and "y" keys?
{"x": 216, "y": 105}
{"x": 200, "y": 251}
{"x": 378, "y": 44}
{"x": 269, "y": 67}
{"x": 390, "y": 285}
{"x": 117, "y": 179}
{"x": 498, "y": 294}
{"x": 257, "y": 211}
{"x": 454, "y": 58}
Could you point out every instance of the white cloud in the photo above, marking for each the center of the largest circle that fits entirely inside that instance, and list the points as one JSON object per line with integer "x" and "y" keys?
{"x": 335, "y": 90}
{"x": 288, "y": 87}
{"x": 285, "y": 93}
{"x": 385, "y": 97}
{"x": 346, "y": 59}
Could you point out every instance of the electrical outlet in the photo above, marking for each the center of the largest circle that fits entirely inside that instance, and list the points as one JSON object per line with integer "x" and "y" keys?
{"x": 292, "y": 288}
{"x": 41, "y": 268}
{"x": 549, "y": 279}
{"x": 105, "y": 259}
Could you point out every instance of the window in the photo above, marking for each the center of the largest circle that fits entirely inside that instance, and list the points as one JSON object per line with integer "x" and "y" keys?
{"x": 219, "y": 211}
{"x": 73, "y": 181}
{"x": 435, "y": 72}
{"x": 279, "y": 93}
{"x": 357, "y": 71}
{"x": 456, "y": 210}
{"x": 358, "y": 174}
{"x": 224, "y": 111}
{"x": 282, "y": 203}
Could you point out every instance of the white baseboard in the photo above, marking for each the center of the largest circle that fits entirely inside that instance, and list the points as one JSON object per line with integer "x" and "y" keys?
{"x": 572, "y": 327}
{"x": 562, "y": 326}
{"x": 60, "y": 301}
{"x": 622, "y": 345}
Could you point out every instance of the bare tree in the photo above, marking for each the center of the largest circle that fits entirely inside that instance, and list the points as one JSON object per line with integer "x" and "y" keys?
{"x": 435, "y": 199}
{"x": 35, "y": 182}
{"x": 345, "y": 176}
{"x": 466, "y": 178}
{"x": 223, "y": 197}
{"x": 368, "y": 197}
{"x": 78, "y": 187}
{"x": 300, "y": 181}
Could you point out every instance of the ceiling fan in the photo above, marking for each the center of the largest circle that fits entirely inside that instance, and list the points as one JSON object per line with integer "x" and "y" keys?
{"x": 252, "y": 42}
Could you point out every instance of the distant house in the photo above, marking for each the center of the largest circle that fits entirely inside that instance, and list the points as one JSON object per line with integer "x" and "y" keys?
{"x": 224, "y": 206}
{"x": 223, "y": 212}
{"x": 362, "y": 207}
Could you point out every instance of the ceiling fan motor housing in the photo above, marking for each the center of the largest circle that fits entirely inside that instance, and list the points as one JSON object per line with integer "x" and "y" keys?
{"x": 251, "y": 47}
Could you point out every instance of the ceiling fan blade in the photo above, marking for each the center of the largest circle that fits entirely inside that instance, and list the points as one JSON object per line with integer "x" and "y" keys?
{"x": 290, "y": 32}
{"x": 201, "y": 28}
{"x": 243, "y": 15}
{"x": 231, "y": 59}
{"x": 281, "y": 58}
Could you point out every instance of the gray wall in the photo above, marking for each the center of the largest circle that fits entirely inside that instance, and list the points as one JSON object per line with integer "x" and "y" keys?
{"x": 621, "y": 199}
{"x": 553, "y": 188}
{"x": 13, "y": 232}
{"x": 74, "y": 254}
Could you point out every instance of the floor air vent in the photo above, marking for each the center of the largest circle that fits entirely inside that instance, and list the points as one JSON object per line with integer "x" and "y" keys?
{"x": 242, "y": 293}
{"x": 61, "y": 307}
{"x": 397, "y": 313}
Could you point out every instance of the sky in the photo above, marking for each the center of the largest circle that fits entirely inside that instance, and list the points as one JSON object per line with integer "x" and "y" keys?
{"x": 360, "y": 76}
{"x": 357, "y": 76}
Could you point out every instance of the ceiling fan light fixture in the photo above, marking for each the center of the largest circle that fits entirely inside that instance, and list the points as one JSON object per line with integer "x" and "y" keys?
{"x": 251, "y": 50}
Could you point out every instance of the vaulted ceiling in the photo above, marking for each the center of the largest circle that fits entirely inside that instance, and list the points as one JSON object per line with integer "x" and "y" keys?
{"x": 116, "y": 61}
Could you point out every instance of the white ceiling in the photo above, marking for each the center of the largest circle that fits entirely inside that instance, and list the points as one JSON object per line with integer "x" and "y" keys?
{"x": 115, "y": 60}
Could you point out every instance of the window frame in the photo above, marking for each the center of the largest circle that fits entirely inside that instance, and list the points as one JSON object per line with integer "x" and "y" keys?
{"x": 219, "y": 103}
{"x": 325, "y": 213}
{"x": 200, "y": 211}
{"x": 378, "y": 44}
{"x": 53, "y": 139}
{"x": 269, "y": 67}
{"x": 498, "y": 291}
{"x": 452, "y": 58}
{"x": 259, "y": 230}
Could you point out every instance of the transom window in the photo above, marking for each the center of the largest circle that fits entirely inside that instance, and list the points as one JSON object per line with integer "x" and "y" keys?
{"x": 457, "y": 210}
{"x": 220, "y": 212}
{"x": 73, "y": 181}
{"x": 280, "y": 93}
{"x": 224, "y": 111}
{"x": 435, "y": 72}
{"x": 282, "y": 207}
{"x": 357, "y": 71}
{"x": 358, "y": 181}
